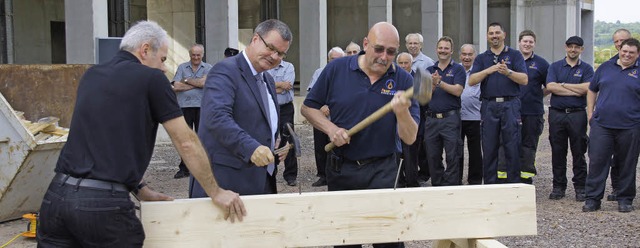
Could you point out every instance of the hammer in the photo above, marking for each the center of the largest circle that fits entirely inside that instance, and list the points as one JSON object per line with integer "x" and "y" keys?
{"x": 421, "y": 91}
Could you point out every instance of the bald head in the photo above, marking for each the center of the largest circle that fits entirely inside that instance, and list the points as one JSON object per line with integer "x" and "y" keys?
{"x": 381, "y": 46}
{"x": 404, "y": 60}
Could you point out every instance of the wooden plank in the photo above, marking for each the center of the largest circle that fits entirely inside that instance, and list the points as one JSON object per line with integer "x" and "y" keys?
{"x": 347, "y": 217}
{"x": 48, "y": 124}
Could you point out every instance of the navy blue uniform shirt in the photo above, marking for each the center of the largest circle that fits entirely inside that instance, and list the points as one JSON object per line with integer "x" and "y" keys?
{"x": 531, "y": 94}
{"x": 113, "y": 129}
{"x": 561, "y": 72}
{"x": 496, "y": 84}
{"x": 351, "y": 97}
{"x": 618, "y": 102}
{"x": 453, "y": 74}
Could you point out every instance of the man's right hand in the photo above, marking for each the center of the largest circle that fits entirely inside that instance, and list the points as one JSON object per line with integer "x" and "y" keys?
{"x": 339, "y": 137}
{"x": 230, "y": 203}
{"x": 262, "y": 156}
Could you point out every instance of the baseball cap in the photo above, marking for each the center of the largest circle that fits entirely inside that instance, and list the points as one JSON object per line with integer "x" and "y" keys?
{"x": 574, "y": 40}
{"x": 230, "y": 52}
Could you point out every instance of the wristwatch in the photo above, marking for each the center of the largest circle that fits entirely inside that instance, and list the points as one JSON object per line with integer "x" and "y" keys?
{"x": 509, "y": 73}
{"x": 562, "y": 84}
{"x": 139, "y": 187}
{"x": 186, "y": 80}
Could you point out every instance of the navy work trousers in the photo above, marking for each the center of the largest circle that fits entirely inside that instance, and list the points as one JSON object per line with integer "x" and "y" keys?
{"x": 500, "y": 120}
{"x": 471, "y": 130}
{"x": 604, "y": 141}
{"x": 444, "y": 134}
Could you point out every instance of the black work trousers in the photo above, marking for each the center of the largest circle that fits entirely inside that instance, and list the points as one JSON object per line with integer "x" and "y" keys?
{"x": 290, "y": 172}
{"x": 471, "y": 130}
{"x": 192, "y": 117}
{"x": 568, "y": 130}
{"x": 320, "y": 139}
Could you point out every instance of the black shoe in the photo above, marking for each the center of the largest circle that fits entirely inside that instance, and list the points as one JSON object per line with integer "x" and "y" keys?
{"x": 321, "y": 182}
{"x": 580, "y": 195}
{"x": 612, "y": 196}
{"x": 591, "y": 206}
{"x": 181, "y": 174}
{"x": 624, "y": 208}
{"x": 556, "y": 194}
{"x": 292, "y": 182}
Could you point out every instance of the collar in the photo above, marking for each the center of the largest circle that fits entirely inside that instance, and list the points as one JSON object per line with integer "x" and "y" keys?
{"x": 450, "y": 63}
{"x": 253, "y": 70}
{"x": 505, "y": 49}
{"x": 128, "y": 55}
{"x": 533, "y": 55}
{"x": 567, "y": 64}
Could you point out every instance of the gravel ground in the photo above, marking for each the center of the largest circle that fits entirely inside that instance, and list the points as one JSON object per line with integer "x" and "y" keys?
{"x": 561, "y": 223}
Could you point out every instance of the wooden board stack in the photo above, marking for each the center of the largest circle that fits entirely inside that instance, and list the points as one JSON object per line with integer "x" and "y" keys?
{"x": 45, "y": 129}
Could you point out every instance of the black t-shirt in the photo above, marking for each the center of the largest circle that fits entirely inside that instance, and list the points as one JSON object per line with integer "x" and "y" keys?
{"x": 119, "y": 105}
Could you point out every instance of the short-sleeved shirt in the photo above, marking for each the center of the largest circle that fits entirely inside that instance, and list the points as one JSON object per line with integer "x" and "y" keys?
{"x": 314, "y": 78}
{"x": 496, "y": 84}
{"x": 113, "y": 129}
{"x": 531, "y": 94}
{"x": 561, "y": 72}
{"x": 421, "y": 61}
{"x": 284, "y": 72}
{"x": 470, "y": 101}
{"x": 442, "y": 101}
{"x": 190, "y": 98}
{"x": 618, "y": 102}
{"x": 348, "y": 92}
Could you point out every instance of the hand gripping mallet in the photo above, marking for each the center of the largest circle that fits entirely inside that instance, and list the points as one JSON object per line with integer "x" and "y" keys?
{"x": 421, "y": 91}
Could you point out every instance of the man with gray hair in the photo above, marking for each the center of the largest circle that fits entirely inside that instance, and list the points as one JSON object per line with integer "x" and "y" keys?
{"x": 320, "y": 139}
{"x": 239, "y": 115}
{"x": 414, "y": 46}
{"x": 470, "y": 117}
{"x": 187, "y": 83}
{"x": 88, "y": 203}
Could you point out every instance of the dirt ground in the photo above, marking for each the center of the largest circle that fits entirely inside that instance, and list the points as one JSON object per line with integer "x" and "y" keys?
{"x": 561, "y": 223}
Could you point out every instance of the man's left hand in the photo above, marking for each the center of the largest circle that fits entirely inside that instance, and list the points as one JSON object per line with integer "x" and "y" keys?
{"x": 147, "y": 194}
{"x": 230, "y": 203}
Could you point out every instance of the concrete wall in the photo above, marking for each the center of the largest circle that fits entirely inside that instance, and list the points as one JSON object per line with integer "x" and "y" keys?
{"x": 406, "y": 17}
{"x": 178, "y": 18}
{"x": 346, "y": 21}
{"x": 32, "y": 29}
{"x": 289, "y": 14}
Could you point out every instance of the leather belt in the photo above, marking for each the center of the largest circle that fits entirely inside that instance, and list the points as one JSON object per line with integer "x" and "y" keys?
{"x": 362, "y": 162}
{"x": 89, "y": 183}
{"x": 500, "y": 98}
{"x": 441, "y": 115}
{"x": 568, "y": 110}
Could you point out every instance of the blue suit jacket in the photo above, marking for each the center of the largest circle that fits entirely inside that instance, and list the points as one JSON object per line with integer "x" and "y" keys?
{"x": 233, "y": 123}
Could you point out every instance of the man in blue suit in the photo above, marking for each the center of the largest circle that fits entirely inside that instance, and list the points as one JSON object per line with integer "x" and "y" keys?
{"x": 239, "y": 114}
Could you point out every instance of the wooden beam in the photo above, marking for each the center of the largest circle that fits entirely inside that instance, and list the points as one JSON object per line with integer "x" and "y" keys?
{"x": 347, "y": 217}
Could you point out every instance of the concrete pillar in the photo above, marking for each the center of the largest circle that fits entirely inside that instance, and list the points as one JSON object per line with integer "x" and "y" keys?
{"x": 431, "y": 26}
{"x": 313, "y": 34}
{"x": 517, "y": 21}
{"x": 379, "y": 11}
{"x": 480, "y": 25}
{"x": 587, "y": 22}
{"x": 84, "y": 20}
{"x": 221, "y": 25}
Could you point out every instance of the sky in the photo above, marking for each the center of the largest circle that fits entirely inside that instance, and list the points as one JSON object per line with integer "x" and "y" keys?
{"x": 613, "y": 10}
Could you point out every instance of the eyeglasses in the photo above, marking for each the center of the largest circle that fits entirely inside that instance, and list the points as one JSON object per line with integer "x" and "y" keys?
{"x": 391, "y": 51}
{"x": 495, "y": 59}
{"x": 272, "y": 48}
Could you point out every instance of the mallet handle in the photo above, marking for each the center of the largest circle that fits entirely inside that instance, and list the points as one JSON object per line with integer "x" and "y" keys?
{"x": 408, "y": 94}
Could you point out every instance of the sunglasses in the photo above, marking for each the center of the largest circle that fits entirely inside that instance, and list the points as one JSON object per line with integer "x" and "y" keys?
{"x": 391, "y": 51}
{"x": 272, "y": 48}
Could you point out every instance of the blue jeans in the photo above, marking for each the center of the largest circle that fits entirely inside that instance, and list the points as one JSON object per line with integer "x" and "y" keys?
{"x": 72, "y": 216}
